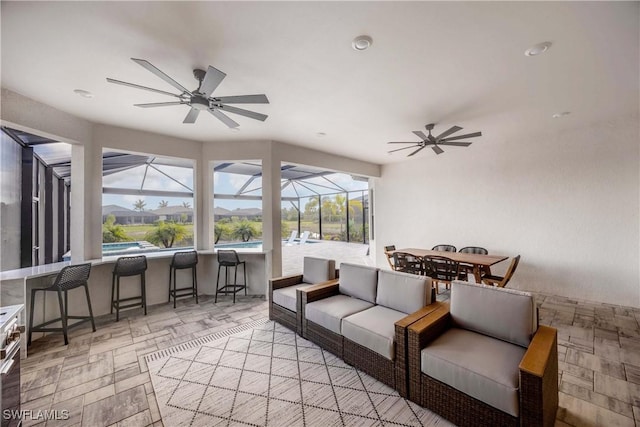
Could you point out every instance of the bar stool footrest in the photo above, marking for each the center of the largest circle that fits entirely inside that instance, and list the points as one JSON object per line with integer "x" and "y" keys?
{"x": 39, "y": 328}
{"x": 236, "y": 288}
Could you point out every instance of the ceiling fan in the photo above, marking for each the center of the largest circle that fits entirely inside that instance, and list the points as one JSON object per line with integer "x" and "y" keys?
{"x": 436, "y": 141}
{"x": 200, "y": 99}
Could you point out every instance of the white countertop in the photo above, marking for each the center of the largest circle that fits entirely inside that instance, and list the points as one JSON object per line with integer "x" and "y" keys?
{"x": 49, "y": 269}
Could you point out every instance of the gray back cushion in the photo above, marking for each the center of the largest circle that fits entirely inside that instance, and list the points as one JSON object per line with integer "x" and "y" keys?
{"x": 359, "y": 281}
{"x": 505, "y": 314}
{"x": 318, "y": 270}
{"x": 403, "y": 291}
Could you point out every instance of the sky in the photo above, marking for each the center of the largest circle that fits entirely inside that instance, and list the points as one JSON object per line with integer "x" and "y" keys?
{"x": 157, "y": 177}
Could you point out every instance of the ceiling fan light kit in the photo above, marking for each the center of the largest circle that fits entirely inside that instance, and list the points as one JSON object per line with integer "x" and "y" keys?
{"x": 200, "y": 99}
{"x": 435, "y": 142}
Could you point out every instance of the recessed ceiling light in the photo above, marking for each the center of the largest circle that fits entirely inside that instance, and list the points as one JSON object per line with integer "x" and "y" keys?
{"x": 362, "y": 42}
{"x": 560, "y": 115}
{"x": 83, "y": 93}
{"x": 321, "y": 134}
{"x": 537, "y": 49}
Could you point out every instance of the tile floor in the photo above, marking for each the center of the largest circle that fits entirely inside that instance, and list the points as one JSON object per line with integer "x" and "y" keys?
{"x": 102, "y": 380}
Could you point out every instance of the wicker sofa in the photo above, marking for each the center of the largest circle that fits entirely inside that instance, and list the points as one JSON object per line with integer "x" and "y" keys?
{"x": 482, "y": 359}
{"x": 362, "y": 317}
{"x": 283, "y": 291}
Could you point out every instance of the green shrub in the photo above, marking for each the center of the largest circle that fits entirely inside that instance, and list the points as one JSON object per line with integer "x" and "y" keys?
{"x": 166, "y": 233}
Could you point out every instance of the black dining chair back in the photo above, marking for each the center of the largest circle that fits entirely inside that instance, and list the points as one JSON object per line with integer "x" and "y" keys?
{"x": 474, "y": 250}
{"x": 444, "y": 248}
{"x": 407, "y": 263}
{"x": 441, "y": 269}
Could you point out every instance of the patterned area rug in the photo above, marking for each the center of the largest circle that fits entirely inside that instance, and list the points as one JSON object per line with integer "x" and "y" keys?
{"x": 262, "y": 374}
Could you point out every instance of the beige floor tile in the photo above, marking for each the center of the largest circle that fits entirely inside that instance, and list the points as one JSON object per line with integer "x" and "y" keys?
{"x": 99, "y": 394}
{"x": 579, "y": 412}
{"x": 115, "y": 408}
{"x": 140, "y": 419}
{"x": 612, "y": 387}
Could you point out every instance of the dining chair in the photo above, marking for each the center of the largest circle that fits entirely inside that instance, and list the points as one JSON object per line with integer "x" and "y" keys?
{"x": 501, "y": 282}
{"x": 387, "y": 250}
{"x": 441, "y": 269}
{"x": 465, "y": 269}
{"x": 444, "y": 248}
{"x": 407, "y": 263}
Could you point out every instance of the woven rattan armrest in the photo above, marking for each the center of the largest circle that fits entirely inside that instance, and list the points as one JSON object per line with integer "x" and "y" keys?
{"x": 536, "y": 359}
{"x": 431, "y": 325}
{"x": 285, "y": 281}
{"x": 539, "y": 379}
{"x": 319, "y": 291}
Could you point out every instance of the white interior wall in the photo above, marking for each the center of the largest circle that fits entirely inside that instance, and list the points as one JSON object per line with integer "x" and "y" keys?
{"x": 567, "y": 202}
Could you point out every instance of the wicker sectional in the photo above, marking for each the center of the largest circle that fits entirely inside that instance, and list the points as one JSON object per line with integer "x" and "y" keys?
{"x": 392, "y": 371}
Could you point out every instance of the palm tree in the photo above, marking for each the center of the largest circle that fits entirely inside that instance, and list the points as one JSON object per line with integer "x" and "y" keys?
{"x": 166, "y": 233}
{"x": 139, "y": 205}
{"x": 244, "y": 230}
{"x": 186, "y": 204}
{"x": 163, "y": 204}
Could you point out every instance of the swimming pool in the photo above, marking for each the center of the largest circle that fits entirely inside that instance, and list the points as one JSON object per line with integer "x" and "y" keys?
{"x": 254, "y": 244}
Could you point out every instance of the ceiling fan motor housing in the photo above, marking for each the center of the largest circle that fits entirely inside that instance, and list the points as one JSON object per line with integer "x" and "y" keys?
{"x": 199, "y": 102}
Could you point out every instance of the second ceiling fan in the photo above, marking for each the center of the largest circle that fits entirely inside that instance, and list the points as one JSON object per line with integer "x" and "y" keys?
{"x": 436, "y": 141}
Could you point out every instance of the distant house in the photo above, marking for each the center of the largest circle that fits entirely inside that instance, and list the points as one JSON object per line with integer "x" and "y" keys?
{"x": 174, "y": 213}
{"x": 128, "y": 216}
{"x": 251, "y": 214}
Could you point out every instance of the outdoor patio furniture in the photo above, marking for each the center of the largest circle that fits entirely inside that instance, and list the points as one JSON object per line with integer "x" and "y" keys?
{"x": 444, "y": 248}
{"x": 483, "y": 359}
{"x": 441, "y": 269}
{"x": 407, "y": 263}
{"x": 228, "y": 258}
{"x": 499, "y": 281}
{"x": 183, "y": 261}
{"x": 127, "y": 267}
{"x": 70, "y": 277}
{"x": 362, "y": 317}
{"x": 284, "y": 302}
{"x": 466, "y": 269}
{"x": 388, "y": 251}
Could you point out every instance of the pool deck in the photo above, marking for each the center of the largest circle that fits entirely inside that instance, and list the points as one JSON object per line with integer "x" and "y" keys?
{"x": 293, "y": 255}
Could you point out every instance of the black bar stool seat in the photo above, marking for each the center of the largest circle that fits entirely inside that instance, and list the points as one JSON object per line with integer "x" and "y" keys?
{"x": 129, "y": 266}
{"x": 70, "y": 277}
{"x": 181, "y": 261}
{"x": 229, "y": 258}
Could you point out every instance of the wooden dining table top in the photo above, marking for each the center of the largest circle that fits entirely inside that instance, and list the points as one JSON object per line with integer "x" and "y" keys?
{"x": 475, "y": 259}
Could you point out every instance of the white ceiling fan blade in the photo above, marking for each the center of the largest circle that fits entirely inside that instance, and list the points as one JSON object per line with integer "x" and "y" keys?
{"x": 420, "y": 135}
{"x": 242, "y": 99}
{"x": 452, "y": 129}
{"x": 223, "y": 118}
{"x": 211, "y": 81}
{"x": 120, "y": 82}
{"x": 159, "y": 104}
{"x": 468, "y": 135}
{"x": 243, "y": 112}
{"x": 192, "y": 115}
{"x": 403, "y": 148}
{"x": 149, "y": 66}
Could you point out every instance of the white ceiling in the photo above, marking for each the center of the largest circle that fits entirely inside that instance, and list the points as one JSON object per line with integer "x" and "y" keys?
{"x": 452, "y": 63}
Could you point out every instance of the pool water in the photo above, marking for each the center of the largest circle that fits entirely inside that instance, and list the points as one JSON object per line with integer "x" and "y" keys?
{"x": 254, "y": 244}
{"x": 120, "y": 246}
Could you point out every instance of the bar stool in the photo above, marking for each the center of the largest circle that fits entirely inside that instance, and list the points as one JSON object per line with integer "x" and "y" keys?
{"x": 229, "y": 258}
{"x": 181, "y": 261}
{"x": 68, "y": 278}
{"x": 128, "y": 266}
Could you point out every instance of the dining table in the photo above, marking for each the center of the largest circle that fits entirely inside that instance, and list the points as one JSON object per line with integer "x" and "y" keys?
{"x": 481, "y": 263}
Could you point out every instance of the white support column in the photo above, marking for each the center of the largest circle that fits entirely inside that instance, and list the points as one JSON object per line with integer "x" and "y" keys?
{"x": 86, "y": 202}
{"x": 271, "y": 214}
{"x": 203, "y": 204}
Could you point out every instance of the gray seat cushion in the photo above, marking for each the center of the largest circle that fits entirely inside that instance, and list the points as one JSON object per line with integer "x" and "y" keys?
{"x": 482, "y": 367}
{"x": 505, "y": 314}
{"x": 374, "y": 329}
{"x": 359, "y": 281}
{"x": 329, "y": 312}
{"x": 403, "y": 291}
{"x": 286, "y": 297}
{"x": 318, "y": 270}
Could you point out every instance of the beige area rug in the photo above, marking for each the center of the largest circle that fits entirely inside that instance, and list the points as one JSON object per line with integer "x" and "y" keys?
{"x": 262, "y": 374}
